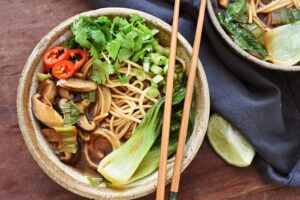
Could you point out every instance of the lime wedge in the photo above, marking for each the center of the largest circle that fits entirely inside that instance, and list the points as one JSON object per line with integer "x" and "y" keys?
{"x": 229, "y": 143}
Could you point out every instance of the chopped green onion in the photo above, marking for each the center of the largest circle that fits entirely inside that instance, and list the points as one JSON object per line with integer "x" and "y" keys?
{"x": 157, "y": 79}
{"x": 41, "y": 76}
{"x": 166, "y": 69}
{"x": 146, "y": 64}
{"x": 156, "y": 69}
{"x": 162, "y": 50}
{"x": 153, "y": 92}
{"x": 158, "y": 59}
{"x": 154, "y": 85}
{"x": 140, "y": 74}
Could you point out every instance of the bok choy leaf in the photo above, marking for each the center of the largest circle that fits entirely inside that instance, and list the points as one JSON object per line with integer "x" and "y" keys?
{"x": 151, "y": 161}
{"x": 119, "y": 166}
{"x": 283, "y": 44}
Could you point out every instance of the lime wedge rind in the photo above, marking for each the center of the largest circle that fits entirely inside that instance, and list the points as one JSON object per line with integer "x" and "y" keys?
{"x": 228, "y": 143}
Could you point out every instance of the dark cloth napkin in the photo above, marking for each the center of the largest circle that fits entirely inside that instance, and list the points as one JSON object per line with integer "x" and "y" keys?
{"x": 264, "y": 105}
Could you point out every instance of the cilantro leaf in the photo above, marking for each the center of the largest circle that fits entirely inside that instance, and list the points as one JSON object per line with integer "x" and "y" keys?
{"x": 94, "y": 181}
{"x": 125, "y": 54}
{"x": 123, "y": 79}
{"x": 113, "y": 48}
{"x": 94, "y": 52}
{"x": 69, "y": 44}
{"x": 98, "y": 37}
{"x": 101, "y": 70}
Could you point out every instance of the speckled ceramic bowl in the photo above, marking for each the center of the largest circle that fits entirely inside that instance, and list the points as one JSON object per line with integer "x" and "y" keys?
{"x": 67, "y": 176}
{"x": 212, "y": 5}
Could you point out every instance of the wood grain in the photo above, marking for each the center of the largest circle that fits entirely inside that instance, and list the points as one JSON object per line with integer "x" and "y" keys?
{"x": 165, "y": 131}
{"x": 23, "y": 24}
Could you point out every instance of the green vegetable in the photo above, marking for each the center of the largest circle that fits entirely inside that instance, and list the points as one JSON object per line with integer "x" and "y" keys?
{"x": 69, "y": 44}
{"x": 245, "y": 39}
{"x": 153, "y": 92}
{"x": 119, "y": 166}
{"x": 72, "y": 113}
{"x": 285, "y": 16}
{"x": 156, "y": 69}
{"x": 91, "y": 96}
{"x": 254, "y": 29}
{"x": 121, "y": 39}
{"x": 162, "y": 50}
{"x": 123, "y": 79}
{"x": 140, "y": 74}
{"x": 68, "y": 138}
{"x": 234, "y": 22}
{"x": 41, "y": 76}
{"x": 146, "y": 64}
{"x": 241, "y": 36}
{"x": 284, "y": 44}
{"x": 151, "y": 161}
{"x": 125, "y": 54}
{"x": 237, "y": 9}
{"x": 158, "y": 78}
{"x": 94, "y": 181}
{"x": 158, "y": 59}
{"x": 180, "y": 94}
{"x": 101, "y": 70}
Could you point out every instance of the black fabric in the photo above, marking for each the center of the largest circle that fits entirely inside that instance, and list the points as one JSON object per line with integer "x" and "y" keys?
{"x": 262, "y": 104}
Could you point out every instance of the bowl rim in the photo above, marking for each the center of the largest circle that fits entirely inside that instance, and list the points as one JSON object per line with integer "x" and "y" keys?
{"x": 41, "y": 157}
{"x": 242, "y": 52}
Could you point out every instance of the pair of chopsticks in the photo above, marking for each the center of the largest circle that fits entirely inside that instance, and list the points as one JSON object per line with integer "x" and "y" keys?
{"x": 186, "y": 108}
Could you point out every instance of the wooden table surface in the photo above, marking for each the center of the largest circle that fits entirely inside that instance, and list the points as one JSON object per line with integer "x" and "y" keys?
{"x": 23, "y": 24}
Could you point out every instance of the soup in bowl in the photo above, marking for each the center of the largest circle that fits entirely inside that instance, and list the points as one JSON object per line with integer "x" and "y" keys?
{"x": 91, "y": 97}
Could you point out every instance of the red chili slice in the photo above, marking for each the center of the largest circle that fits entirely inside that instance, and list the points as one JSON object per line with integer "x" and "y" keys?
{"x": 63, "y": 69}
{"x": 78, "y": 57}
{"x": 54, "y": 55}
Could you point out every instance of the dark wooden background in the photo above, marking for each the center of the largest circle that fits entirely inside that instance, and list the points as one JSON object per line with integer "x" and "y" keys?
{"x": 23, "y": 24}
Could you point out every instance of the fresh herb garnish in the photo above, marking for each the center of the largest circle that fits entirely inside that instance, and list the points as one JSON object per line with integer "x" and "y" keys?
{"x": 94, "y": 181}
{"x": 101, "y": 70}
{"x": 116, "y": 40}
{"x": 69, "y": 44}
{"x": 123, "y": 79}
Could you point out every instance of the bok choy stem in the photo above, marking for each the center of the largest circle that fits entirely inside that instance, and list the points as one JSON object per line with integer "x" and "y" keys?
{"x": 125, "y": 164}
{"x": 119, "y": 166}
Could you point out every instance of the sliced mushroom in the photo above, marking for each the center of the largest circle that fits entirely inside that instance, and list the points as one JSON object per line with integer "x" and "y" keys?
{"x": 61, "y": 102}
{"x": 45, "y": 113}
{"x": 83, "y": 104}
{"x": 47, "y": 89}
{"x": 50, "y": 135}
{"x": 65, "y": 93}
{"x": 77, "y": 85}
{"x": 85, "y": 124}
{"x": 70, "y": 158}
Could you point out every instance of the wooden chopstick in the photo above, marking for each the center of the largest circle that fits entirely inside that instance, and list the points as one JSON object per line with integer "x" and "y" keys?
{"x": 187, "y": 105}
{"x": 160, "y": 194}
